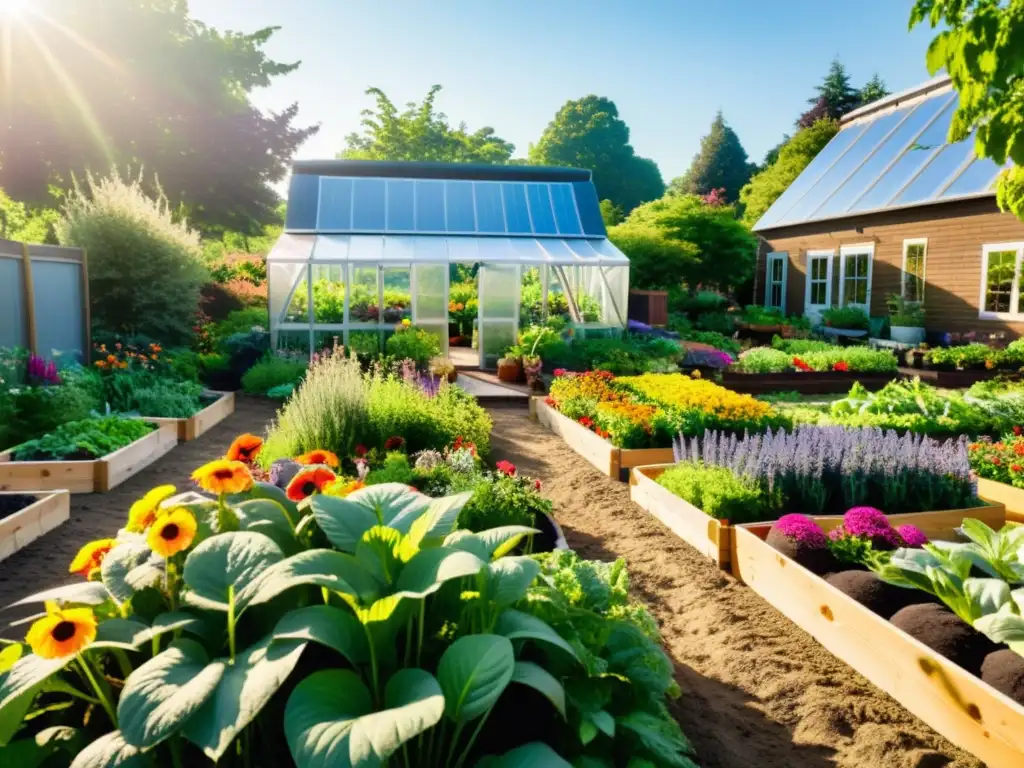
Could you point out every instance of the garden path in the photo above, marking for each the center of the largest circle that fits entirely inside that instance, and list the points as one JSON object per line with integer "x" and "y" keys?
{"x": 757, "y": 691}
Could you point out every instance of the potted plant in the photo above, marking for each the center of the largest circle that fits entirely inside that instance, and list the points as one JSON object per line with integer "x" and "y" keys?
{"x": 532, "y": 362}
{"x": 906, "y": 320}
{"x": 510, "y": 366}
{"x": 443, "y": 368}
{"x": 849, "y": 320}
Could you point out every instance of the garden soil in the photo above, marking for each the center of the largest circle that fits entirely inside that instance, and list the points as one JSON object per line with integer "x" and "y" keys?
{"x": 757, "y": 691}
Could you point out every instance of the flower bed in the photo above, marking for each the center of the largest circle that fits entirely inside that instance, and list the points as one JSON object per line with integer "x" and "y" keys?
{"x": 810, "y": 368}
{"x": 26, "y": 517}
{"x": 906, "y": 657}
{"x": 198, "y": 424}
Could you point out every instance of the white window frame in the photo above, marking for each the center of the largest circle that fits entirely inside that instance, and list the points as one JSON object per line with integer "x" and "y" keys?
{"x": 924, "y": 267}
{"x": 782, "y": 256}
{"x": 1014, "y": 289}
{"x": 817, "y": 254}
{"x": 850, "y": 250}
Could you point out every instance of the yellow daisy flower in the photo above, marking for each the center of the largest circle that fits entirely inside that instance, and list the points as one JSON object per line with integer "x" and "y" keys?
{"x": 172, "y": 533}
{"x": 143, "y": 512}
{"x": 90, "y": 557}
{"x": 62, "y": 633}
{"x": 223, "y": 476}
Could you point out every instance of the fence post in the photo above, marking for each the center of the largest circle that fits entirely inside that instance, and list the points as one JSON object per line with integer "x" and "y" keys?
{"x": 86, "y": 310}
{"x": 30, "y": 298}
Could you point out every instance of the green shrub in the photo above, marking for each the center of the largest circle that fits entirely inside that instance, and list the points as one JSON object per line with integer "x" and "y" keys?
{"x": 499, "y": 499}
{"x": 83, "y": 440}
{"x": 145, "y": 268}
{"x": 800, "y": 346}
{"x": 241, "y": 321}
{"x": 764, "y": 360}
{"x": 715, "y": 339}
{"x": 847, "y": 318}
{"x": 186, "y": 365}
{"x": 716, "y": 491}
{"x": 964, "y": 356}
{"x": 169, "y": 399}
{"x": 272, "y": 371}
{"x": 395, "y": 469}
{"x": 755, "y": 314}
{"x": 28, "y": 412}
{"x": 719, "y": 322}
{"x": 416, "y": 344}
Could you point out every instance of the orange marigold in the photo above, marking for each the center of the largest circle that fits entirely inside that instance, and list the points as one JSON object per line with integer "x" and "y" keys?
{"x": 223, "y": 476}
{"x": 309, "y": 481}
{"x": 244, "y": 448}
{"x": 318, "y": 456}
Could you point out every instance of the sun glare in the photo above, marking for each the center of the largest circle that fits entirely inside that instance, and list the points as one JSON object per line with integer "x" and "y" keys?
{"x": 12, "y": 7}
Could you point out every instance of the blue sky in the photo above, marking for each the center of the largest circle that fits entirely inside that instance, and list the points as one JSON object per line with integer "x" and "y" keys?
{"x": 667, "y": 64}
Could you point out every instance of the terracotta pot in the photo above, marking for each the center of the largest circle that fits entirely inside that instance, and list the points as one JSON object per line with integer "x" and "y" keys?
{"x": 452, "y": 377}
{"x": 509, "y": 370}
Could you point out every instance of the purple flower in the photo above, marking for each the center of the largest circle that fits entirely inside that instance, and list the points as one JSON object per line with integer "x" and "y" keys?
{"x": 802, "y": 529}
{"x": 870, "y": 523}
{"x": 912, "y": 536}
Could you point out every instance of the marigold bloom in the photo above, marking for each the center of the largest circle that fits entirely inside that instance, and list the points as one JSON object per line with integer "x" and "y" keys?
{"x": 172, "y": 533}
{"x": 90, "y": 557}
{"x": 318, "y": 456}
{"x": 62, "y": 633}
{"x": 111, "y": 359}
{"x": 223, "y": 476}
{"x": 143, "y": 512}
{"x": 309, "y": 481}
{"x": 244, "y": 448}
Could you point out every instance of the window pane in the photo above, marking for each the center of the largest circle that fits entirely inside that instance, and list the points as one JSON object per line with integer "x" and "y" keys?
{"x": 303, "y": 193}
{"x": 460, "y": 206}
{"x": 400, "y": 206}
{"x": 540, "y": 209}
{"x": 565, "y": 209}
{"x": 368, "y": 206}
{"x": 57, "y": 288}
{"x": 516, "y": 215}
{"x": 397, "y": 297}
{"x": 430, "y": 206}
{"x": 329, "y": 293}
{"x": 777, "y": 269}
{"x": 489, "y": 214}
{"x": 12, "y": 311}
{"x": 978, "y": 177}
{"x": 817, "y": 293}
{"x": 999, "y": 280}
{"x": 335, "y": 204}
{"x": 363, "y": 302}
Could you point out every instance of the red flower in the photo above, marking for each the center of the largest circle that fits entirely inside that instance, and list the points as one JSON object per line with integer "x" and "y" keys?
{"x": 1018, "y": 430}
{"x": 536, "y": 485}
{"x": 360, "y": 451}
{"x": 461, "y": 443}
{"x": 996, "y": 461}
{"x": 841, "y": 366}
{"x": 309, "y": 481}
{"x": 559, "y": 372}
{"x": 506, "y": 468}
{"x": 550, "y": 402}
{"x": 603, "y": 433}
{"x": 394, "y": 443}
{"x": 1016, "y": 468}
{"x": 586, "y": 421}
{"x": 800, "y": 365}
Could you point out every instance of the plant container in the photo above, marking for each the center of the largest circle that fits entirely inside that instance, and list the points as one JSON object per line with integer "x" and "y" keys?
{"x": 510, "y": 370}
{"x": 202, "y": 422}
{"x": 46, "y": 511}
{"x": 906, "y": 334}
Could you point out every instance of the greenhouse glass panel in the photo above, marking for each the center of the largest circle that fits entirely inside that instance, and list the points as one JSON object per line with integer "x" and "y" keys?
{"x": 366, "y": 248}
{"x": 937, "y": 173}
{"x": 369, "y": 205}
{"x": 430, "y": 206}
{"x": 303, "y": 194}
{"x": 329, "y": 293}
{"x": 490, "y": 216}
{"x": 431, "y": 293}
{"x": 57, "y": 286}
{"x": 12, "y": 310}
{"x": 294, "y": 343}
{"x": 531, "y": 297}
{"x": 332, "y": 247}
{"x": 566, "y": 218}
{"x": 401, "y": 212}
{"x": 282, "y": 278}
{"x": 498, "y": 297}
{"x": 335, "y": 204}
{"x": 517, "y": 215}
{"x": 463, "y": 250}
{"x": 400, "y": 248}
{"x": 363, "y": 306}
{"x": 618, "y": 304}
{"x": 589, "y": 208}
{"x": 459, "y": 197}
{"x": 543, "y": 217}
{"x": 495, "y": 337}
{"x": 397, "y": 294}
{"x": 978, "y": 177}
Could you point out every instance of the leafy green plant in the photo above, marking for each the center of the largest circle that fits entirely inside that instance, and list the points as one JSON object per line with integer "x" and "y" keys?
{"x": 848, "y": 318}
{"x": 416, "y": 344}
{"x": 800, "y": 346}
{"x": 83, "y": 440}
{"x": 716, "y": 491}
{"x": 32, "y": 411}
{"x": 973, "y": 355}
{"x": 241, "y": 321}
{"x": 905, "y": 313}
{"x": 715, "y": 339}
{"x": 395, "y": 469}
{"x": 717, "y": 322}
{"x": 272, "y": 371}
{"x": 755, "y": 314}
{"x": 168, "y": 399}
{"x": 503, "y": 499}
{"x": 764, "y": 360}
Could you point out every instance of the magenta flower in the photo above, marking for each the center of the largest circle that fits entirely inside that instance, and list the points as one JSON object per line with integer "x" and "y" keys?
{"x": 912, "y": 536}
{"x": 870, "y": 523}
{"x": 802, "y": 529}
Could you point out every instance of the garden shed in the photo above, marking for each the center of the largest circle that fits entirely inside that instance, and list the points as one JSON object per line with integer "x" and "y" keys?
{"x": 369, "y": 244}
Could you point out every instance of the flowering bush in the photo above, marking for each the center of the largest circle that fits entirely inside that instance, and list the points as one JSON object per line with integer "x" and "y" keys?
{"x": 1002, "y": 460}
{"x": 815, "y": 356}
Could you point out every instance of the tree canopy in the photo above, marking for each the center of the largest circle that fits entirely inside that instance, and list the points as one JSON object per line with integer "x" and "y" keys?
{"x": 766, "y": 186}
{"x": 139, "y": 83}
{"x": 873, "y": 90}
{"x": 982, "y": 49}
{"x": 419, "y": 132}
{"x": 836, "y": 96}
{"x": 682, "y": 239}
{"x": 720, "y": 164}
{"x": 588, "y": 133}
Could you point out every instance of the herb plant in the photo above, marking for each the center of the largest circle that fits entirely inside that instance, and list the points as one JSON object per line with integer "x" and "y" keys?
{"x": 83, "y": 440}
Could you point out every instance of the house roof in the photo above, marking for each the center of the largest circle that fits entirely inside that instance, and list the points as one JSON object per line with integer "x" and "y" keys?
{"x": 889, "y": 154}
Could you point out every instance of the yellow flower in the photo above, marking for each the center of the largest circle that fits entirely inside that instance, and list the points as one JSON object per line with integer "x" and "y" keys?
{"x": 62, "y": 633}
{"x": 143, "y": 512}
{"x": 172, "y": 533}
{"x": 223, "y": 476}
{"x": 90, "y": 557}
{"x": 406, "y": 322}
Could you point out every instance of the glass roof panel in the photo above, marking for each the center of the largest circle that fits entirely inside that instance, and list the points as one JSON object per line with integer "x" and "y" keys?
{"x": 937, "y": 173}
{"x": 527, "y": 250}
{"x": 459, "y": 199}
{"x": 366, "y": 248}
{"x": 401, "y": 215}
{"x": 399, "y": 248}
{"x": 979, "y": 176}
{"x": 517, "y": 215}
{"x": 583, "y": 249}
{"x": 368, "y": 205}
{"x": 490, "y": 213}
{"x": 543, "y": 217}
{"x": 335, "y": 204}
{"x": 590, "y": 208}
{"x": 463, "y": 249}
{"x": 331, "y": 248}
{"x": 291, "y": 247}
{"x": 303, "y": 194}
{"x": 566, "y": 218}
{"x": 430, "y": 206}
{"x": 431, "y": 249}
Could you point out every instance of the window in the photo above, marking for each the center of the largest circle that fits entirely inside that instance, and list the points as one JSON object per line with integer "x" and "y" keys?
{"x": 912, "y": 280}
{"x": 855, "y": 275}
{"x": 1000, "y": 281}
{"x": 819, "y": 284}
{"x": 775, "y": 281}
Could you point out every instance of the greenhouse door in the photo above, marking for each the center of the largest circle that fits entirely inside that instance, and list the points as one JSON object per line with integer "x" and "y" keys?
{"x": 498, "y": 315}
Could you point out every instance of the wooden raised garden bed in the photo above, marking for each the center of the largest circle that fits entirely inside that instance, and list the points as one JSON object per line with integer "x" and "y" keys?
{"x": 203, "y": 421}
{"x": 806, "y": 383}
{"x": 951, "y": 700}
{"x": 49, "y": 510}
{"x": 952, "y": 379}
{"x": 713, "y": 538}
{"x": 95, "y": 476}
{"x": 612, "y": 461}
{"x": 1001, "y": 493}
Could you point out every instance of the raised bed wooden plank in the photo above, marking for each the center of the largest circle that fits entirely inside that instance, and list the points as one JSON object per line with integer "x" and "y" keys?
{"x": 17, "y": 531}
{"x": 95, "y": 476}
{"x": 952, "y": 379}
{"x": 806, "y": 383}
{"x": 201, "y": 422}
{"x": 951, "y": 700}
{"x": 1012, "y": 498}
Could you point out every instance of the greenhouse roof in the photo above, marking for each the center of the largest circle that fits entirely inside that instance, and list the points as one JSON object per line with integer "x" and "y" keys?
{"x": 887, "y": 155}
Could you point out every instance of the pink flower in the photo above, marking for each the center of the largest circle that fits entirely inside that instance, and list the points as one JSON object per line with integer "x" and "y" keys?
{"x": 506, "y": 468}
{"x": 559, "y": 372}
{"x": 801, "y": 528}
{"x": 871, "y": 523}
{"x": 912, "y": 536}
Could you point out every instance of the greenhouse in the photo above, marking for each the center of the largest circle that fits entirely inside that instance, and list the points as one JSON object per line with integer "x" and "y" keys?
{"x": 368, "y": 245}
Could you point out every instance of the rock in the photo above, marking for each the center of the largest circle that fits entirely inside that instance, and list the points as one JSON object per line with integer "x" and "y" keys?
{"x": 945, "y": 633}
{"x": 870, "y": 591}
{"x": 1004, "y": 671}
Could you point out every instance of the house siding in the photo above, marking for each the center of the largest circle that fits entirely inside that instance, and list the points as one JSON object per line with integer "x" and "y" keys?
{"x": 955, "y": 232}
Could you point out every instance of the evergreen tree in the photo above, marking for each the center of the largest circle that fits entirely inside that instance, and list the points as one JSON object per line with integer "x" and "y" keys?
{"x": 873, "y": 90}
{"x": 835, "y": 97}
{"x": 721, "y": 163}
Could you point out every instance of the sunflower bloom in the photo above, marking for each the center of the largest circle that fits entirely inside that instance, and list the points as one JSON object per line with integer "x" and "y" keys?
{"x": 244, "y": 448}
{"x": 318, "y": 457}
{"x": 309, "y": 481}
{"x": 143, "y": 512}
{"x": 223, "y": 476}
{"x": 62, "y": 633}
{"x": 90, "y": 557}
{"x": 172, "y": 533}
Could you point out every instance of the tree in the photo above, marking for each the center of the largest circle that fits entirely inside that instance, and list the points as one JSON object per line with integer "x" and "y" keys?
{"x": 132, "y": 83}
{"x": 766, "y": 186}
{"x": 421, "y": 133}
{"x": 721, "y": 163}
{"x": 588, "y": 133}
{"x": 20, "y": 222}
{"x": 683, "y": 239}
{"x": 983, "y": 52}
{"x": 873, "y": 90}
{"x": 611, "y": 213}
{"x": 835, "y": 97}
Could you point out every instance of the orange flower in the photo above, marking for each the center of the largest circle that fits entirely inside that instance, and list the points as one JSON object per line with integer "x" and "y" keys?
{"x": 100, "y": 364}
{"x": 309, "y": 481}
{"x": 318, "y": 456}
{"x": 111, "y": 359}
{"x": 90, "y": 557}
{"x": 223, "y": 476}
{"x": 156, "y": 348}
{"x": 62, "y": 633}
{"x": 172, "y": 533}
{"x": 244, "y": 448}
{"x": 342, "y": 489}
{"x": 143, "y": 512}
